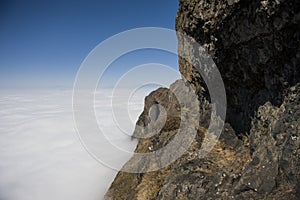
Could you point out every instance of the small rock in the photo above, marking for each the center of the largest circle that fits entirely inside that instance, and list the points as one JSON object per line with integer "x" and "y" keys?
{"x": 294, "y": 137}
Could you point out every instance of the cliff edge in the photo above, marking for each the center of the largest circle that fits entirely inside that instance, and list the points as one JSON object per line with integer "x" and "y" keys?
{"x": 256, "y": 47}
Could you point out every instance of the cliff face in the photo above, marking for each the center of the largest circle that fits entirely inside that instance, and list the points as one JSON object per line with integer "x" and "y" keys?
{"x": 256, "y": 47}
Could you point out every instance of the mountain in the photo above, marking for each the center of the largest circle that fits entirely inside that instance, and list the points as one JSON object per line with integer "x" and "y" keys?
{"x": 256, "y": 47}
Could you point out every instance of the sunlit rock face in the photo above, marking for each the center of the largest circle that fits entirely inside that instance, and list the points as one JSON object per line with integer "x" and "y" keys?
{"x": 256, "y": 47}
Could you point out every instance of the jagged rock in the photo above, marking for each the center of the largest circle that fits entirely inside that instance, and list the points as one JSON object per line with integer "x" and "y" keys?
{"x": 263, "y": 165}
{"x": 256, "y": 46}
{"x": 147, "y": 185}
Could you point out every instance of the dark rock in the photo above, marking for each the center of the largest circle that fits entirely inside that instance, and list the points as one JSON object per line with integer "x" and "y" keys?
{"x": 255, "y": 45}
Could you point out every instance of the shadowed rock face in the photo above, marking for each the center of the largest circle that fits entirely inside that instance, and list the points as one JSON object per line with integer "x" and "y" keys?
{"x": 256, "y": 46}
{"x": 265, "y": 167}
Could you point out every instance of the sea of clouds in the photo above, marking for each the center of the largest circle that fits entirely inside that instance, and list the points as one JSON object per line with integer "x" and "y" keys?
{"x": 41, "y": 154}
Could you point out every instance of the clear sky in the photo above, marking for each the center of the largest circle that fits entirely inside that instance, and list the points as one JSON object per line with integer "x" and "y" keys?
{"x": 43, "y": 42}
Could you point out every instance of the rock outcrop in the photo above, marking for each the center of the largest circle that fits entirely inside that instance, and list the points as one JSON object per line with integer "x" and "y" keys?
{"x": 256, "y": 46}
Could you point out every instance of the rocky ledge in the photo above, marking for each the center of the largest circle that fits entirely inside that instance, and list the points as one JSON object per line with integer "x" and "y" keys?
{"x": 256, "y": 47}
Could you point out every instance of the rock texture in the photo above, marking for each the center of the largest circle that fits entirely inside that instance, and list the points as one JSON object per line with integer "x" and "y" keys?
{"x": 254, "y": 43}
{"x": 256, "y": 46}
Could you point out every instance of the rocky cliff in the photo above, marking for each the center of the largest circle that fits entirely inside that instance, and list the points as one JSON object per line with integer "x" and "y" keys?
{"x": 256, "y": 47}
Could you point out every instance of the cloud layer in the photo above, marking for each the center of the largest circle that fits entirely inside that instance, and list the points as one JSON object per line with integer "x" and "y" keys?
{"x": 41, "y": 154}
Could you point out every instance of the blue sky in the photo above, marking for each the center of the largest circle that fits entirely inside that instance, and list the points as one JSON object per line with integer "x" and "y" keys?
{"x": 43, "y": 43}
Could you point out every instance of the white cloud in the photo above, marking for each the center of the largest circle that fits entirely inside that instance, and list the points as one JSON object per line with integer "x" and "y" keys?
{"x": 40, "y": 152}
